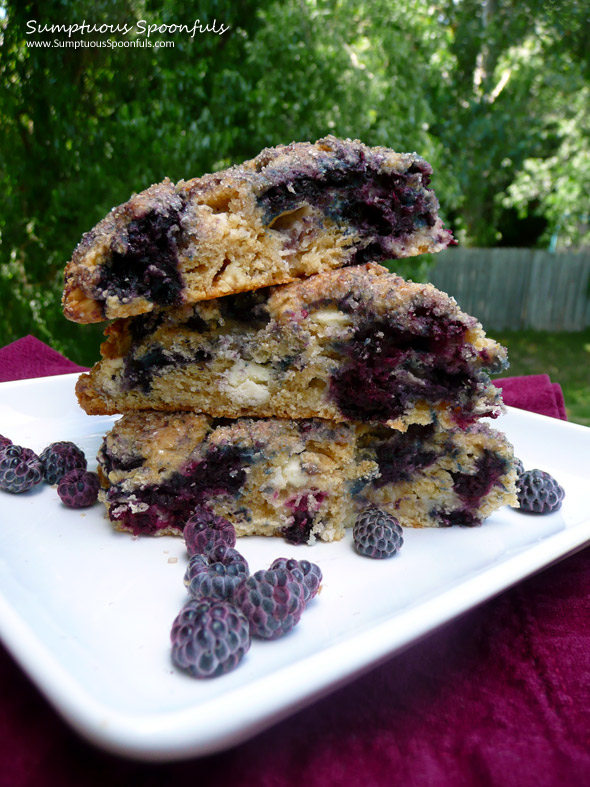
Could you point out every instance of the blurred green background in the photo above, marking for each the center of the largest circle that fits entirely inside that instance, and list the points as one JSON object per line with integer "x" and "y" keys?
{"x": 494, "y": 94}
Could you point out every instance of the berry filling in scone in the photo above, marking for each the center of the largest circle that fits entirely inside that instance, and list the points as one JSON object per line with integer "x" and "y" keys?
{"x": 301, "y": 480}
{"x": 358, "y": 344}
{"x": 291, "y": 212}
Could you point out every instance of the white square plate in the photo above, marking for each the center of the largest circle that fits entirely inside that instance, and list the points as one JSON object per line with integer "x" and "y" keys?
{"x": 87, "y": 611}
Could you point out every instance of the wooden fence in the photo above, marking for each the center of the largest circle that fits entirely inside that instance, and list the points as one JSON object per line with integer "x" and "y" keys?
{"x": 518, "y": 288}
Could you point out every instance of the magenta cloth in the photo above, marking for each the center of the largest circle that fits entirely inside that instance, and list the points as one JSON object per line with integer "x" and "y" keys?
{"x": 28, "y": 357}
{"x": 497, "y": 698}
{"x": 534, "y": 392}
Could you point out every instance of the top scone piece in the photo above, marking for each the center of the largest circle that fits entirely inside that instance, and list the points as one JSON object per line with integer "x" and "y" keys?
{"x": 292, "y": 211}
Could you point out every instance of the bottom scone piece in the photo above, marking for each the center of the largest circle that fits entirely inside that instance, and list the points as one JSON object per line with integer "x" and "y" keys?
{"x": 429, "y": 477}
{"x": 302, "y": 480}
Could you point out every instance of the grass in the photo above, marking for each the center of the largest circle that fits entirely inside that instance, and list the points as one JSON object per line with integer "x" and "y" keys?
{"x": 565, "y": 357}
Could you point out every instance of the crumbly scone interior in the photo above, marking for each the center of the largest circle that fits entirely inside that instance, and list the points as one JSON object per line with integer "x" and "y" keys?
{"x": 320, "y": 347}
{"x": 267, "y": 477}
{"x": 436, "y": 478}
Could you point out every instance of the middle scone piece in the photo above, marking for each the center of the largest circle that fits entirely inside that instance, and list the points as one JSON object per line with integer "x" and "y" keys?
{"x": 358, "y": 345}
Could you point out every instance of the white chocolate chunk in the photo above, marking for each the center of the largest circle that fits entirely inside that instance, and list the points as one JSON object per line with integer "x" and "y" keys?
{"x": 330, "y": 318}
{"x": 290, "y": 474}
{"x": 248, "y": 383}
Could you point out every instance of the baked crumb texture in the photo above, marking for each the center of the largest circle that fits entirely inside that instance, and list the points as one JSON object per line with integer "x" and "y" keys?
{"x": 301, "y": 479}
{"x": 293, "y": 211}
{"x": 357, "y": 344}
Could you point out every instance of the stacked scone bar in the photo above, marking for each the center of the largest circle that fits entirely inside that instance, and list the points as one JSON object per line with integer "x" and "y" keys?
{"x": 267, "y": 367}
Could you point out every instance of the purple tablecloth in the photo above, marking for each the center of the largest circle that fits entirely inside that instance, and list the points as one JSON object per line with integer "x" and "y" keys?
{"x": 499, "y": 697}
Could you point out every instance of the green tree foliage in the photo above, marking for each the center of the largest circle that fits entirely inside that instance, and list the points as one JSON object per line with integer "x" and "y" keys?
{"x": 557, "y": 185}
{"x": 519, "y": 64}
{"x": 493, "y": 93}
{"x": 83, "y": 128}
